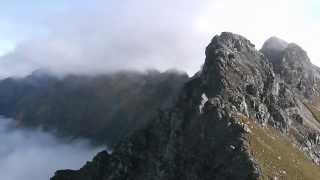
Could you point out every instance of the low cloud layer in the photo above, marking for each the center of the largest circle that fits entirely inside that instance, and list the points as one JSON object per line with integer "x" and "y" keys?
{"x": 113, "y": 36}
{"x": 140, "y": 34}
{"x": 33, "y": 154}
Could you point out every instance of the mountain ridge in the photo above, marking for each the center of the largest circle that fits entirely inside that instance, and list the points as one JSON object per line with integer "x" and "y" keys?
{"x": 207, "y": 134}
{"x": 102, "y": 108}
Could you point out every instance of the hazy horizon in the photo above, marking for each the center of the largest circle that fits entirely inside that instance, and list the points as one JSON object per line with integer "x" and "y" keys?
{"x": 98, "y": 36}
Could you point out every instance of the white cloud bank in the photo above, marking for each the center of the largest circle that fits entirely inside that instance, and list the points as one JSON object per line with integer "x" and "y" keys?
{"x": 31, "y": 154}
{"x": 140, "y": 34}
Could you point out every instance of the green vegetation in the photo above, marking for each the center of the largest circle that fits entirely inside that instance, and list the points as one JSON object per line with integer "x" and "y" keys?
{"x": 277, "y": 156}
{"x": 104, "y": 108}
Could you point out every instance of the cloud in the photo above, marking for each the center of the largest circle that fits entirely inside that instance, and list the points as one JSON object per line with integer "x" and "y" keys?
{"x": 293, "y": 20}
{"x": 112, "y": 36}
{"x": 36, "y": 155}
{"x": 139, "y": 34}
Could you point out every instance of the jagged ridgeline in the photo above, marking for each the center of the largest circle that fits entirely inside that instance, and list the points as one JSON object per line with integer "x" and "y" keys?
{"x": 247, "y": 114}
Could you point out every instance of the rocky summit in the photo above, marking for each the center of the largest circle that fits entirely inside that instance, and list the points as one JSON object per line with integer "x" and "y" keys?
{"x": 247, "y": 114}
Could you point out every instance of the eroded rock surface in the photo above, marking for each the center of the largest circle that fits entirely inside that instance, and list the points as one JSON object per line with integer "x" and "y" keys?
{"x": 202, "y": 136}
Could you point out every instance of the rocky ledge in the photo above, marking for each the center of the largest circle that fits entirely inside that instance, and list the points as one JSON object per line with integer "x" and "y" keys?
{"x": 247, "y": 114}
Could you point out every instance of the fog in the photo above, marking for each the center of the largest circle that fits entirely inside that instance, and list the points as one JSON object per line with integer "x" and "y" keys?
{"x": 36, "y": 155}
{"x": 112, "y": 36}
{"x": 103, "y": 36}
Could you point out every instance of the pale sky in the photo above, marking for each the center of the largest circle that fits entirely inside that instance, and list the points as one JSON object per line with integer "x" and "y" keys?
{"x": 97, "y": 36}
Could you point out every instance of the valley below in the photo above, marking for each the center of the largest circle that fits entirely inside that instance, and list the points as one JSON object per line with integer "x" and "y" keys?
{"x": 35, "y": 154}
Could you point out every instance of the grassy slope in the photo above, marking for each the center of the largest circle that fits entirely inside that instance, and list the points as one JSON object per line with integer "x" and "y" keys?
{"x": 314, "y": 108}
{"x": 277, "y": 156}
{"x": 315, "y": 112}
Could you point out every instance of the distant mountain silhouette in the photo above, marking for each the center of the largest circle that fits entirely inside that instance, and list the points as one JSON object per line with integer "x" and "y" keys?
{"x": 103, "y": 108}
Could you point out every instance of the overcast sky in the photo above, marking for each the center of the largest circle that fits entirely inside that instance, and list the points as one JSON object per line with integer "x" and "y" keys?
{"x": 96, "y": 36}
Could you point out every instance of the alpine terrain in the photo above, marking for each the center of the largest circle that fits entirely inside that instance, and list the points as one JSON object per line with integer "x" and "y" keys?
{"x": 247, "y": 114}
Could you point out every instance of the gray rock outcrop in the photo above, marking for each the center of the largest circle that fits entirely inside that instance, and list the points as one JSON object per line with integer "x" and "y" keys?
{"x": 202, "y": 137}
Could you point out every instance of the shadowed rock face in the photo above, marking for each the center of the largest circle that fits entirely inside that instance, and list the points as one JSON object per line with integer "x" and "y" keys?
{"x": 273, "y": 49}
{"x": 102, "y": 108}
{"x": 293, "y": 65}
{"x": 201, "y": 136}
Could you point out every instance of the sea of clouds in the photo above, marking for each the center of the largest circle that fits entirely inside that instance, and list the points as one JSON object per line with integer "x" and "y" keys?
{"x": 34, "y": 154}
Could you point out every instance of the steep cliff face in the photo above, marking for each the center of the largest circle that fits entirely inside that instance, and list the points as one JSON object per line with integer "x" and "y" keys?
{"x": 293, "y": 66}
{"x": 218, "y": 128}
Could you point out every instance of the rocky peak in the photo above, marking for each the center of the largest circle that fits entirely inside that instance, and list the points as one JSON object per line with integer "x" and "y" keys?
{"x": 231, "y": 42}
{"x": 279, "y": 52}
{"x": 294, "y": 54}
{"x": 205, "y": 134}
{"x": 275, "y": 43}
{"x": 292, "y": 64}
{"x": 232, "y": 64}
{"x": 273, "y": 49}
